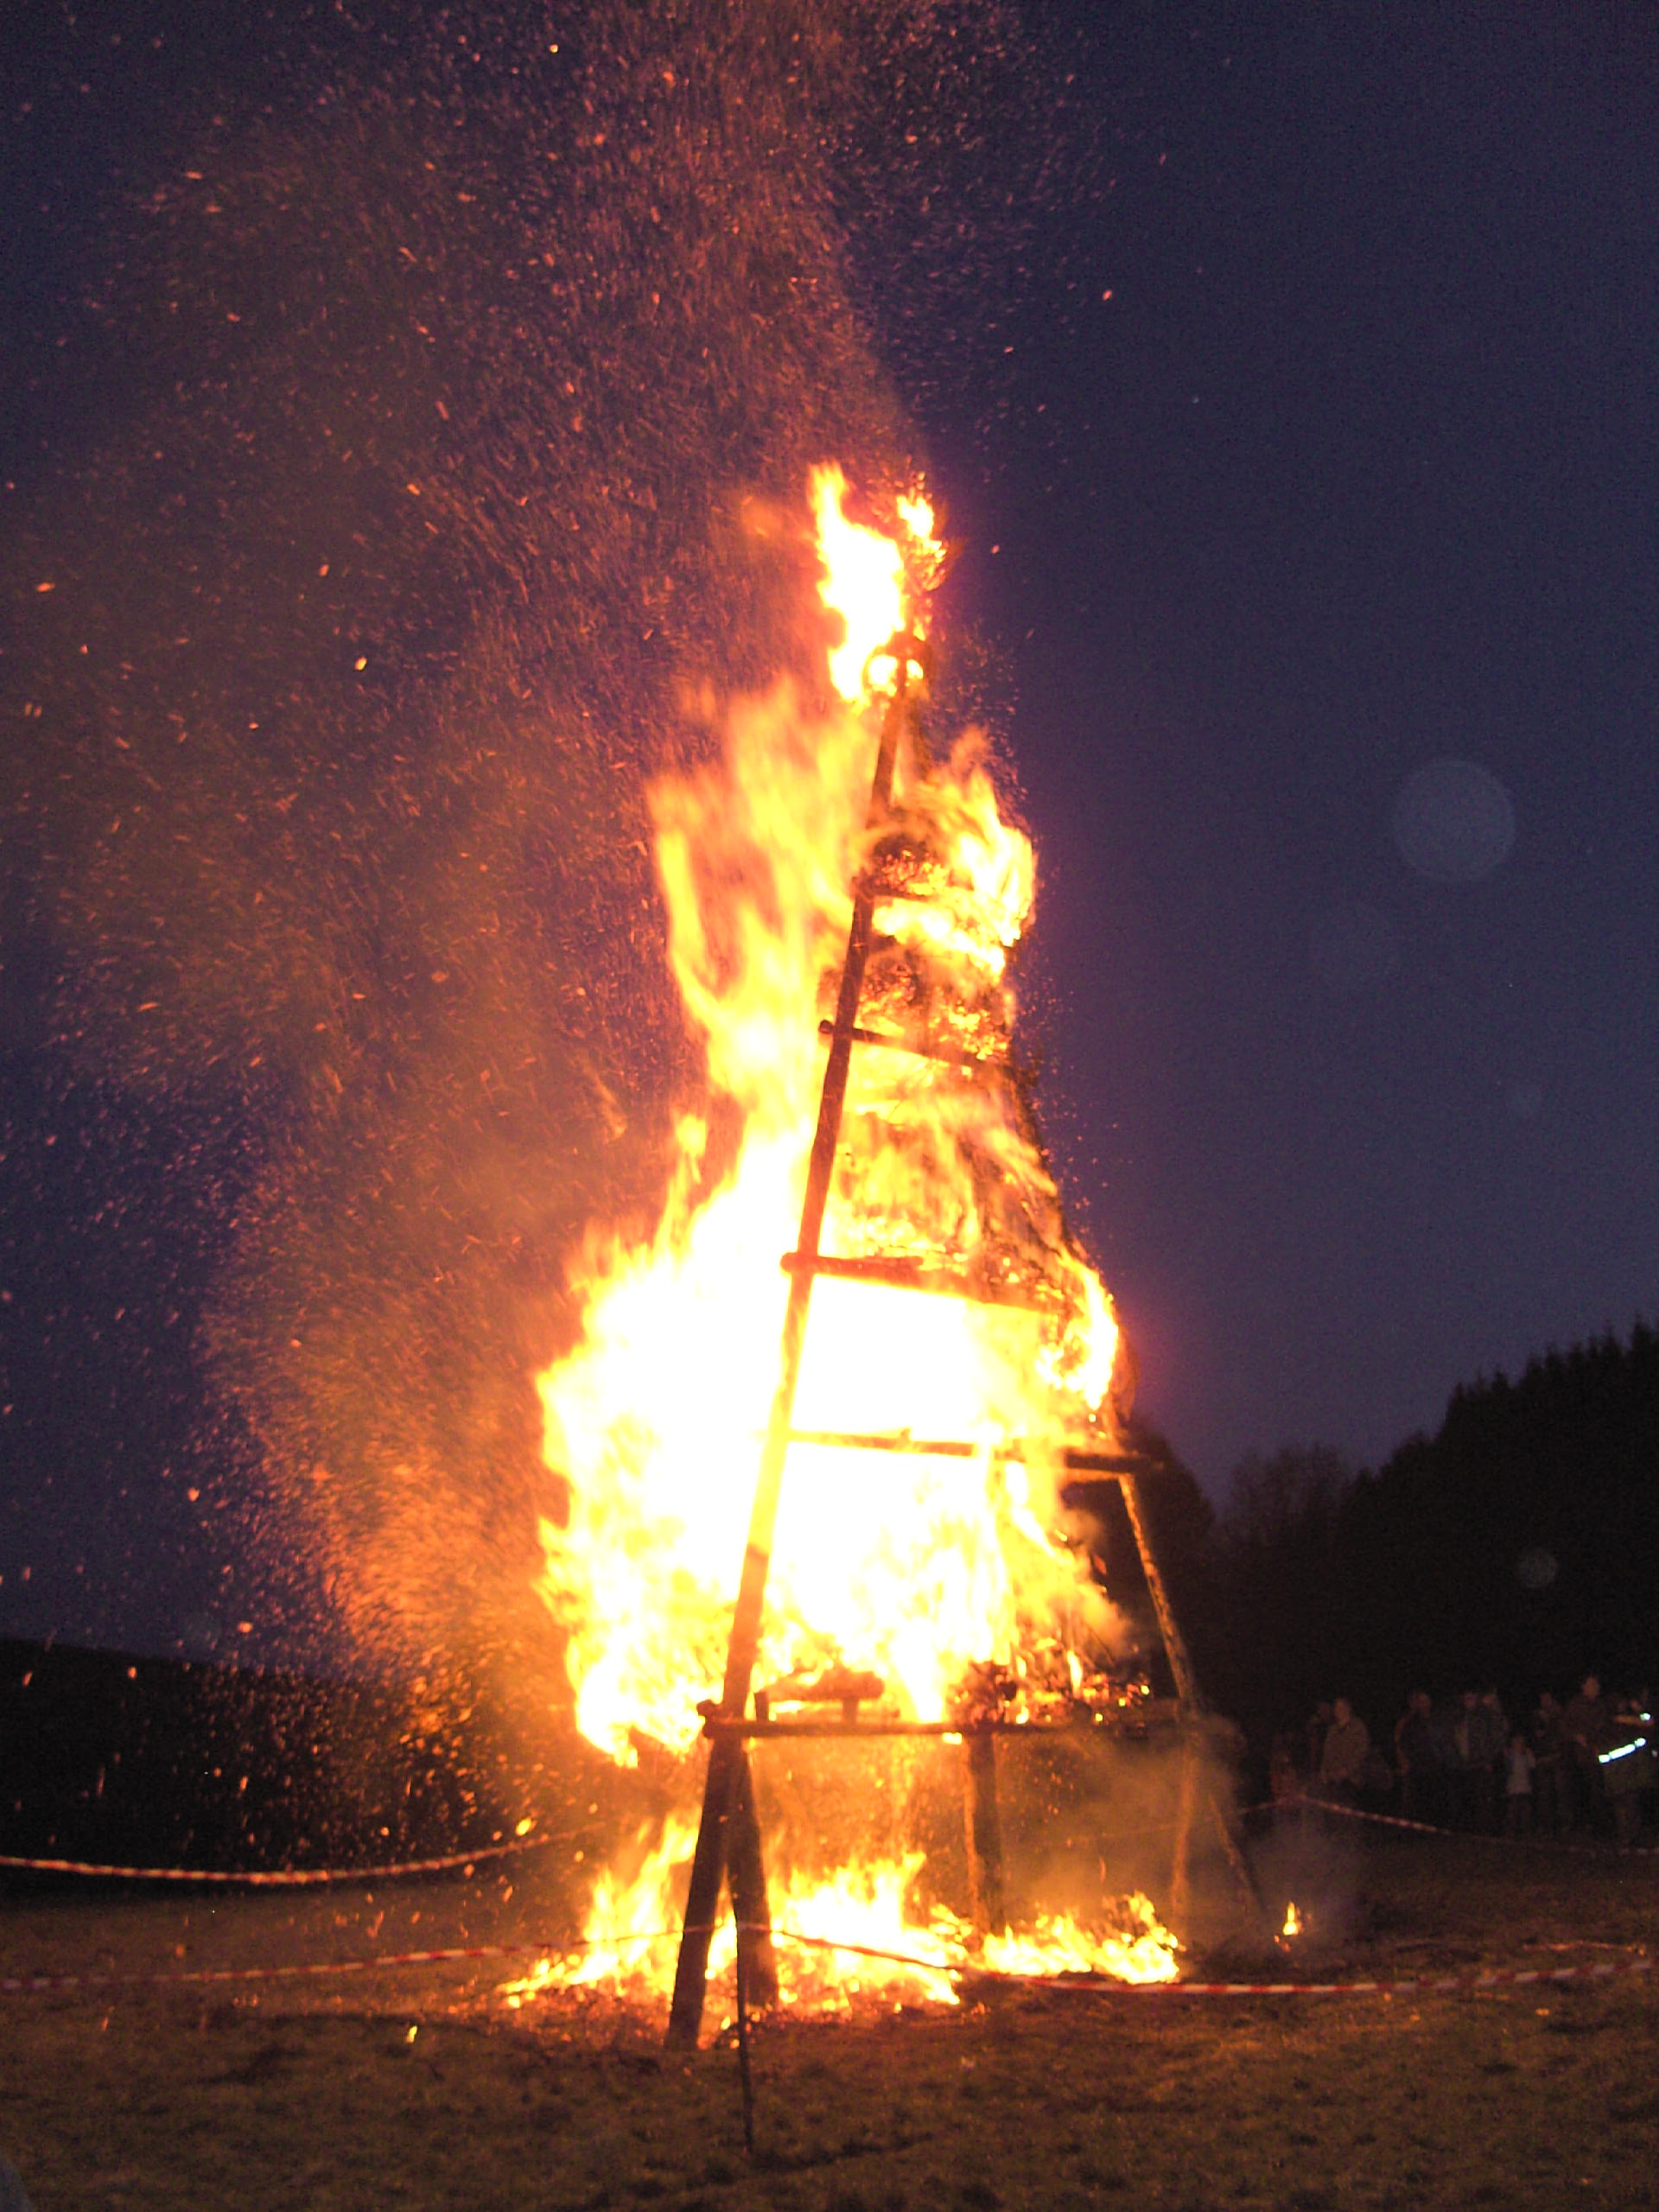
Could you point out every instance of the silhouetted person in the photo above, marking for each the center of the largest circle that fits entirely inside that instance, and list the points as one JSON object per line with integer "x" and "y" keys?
{"x": 1423, "y": 1795}
{"x": 1318, "y": 1726}
{"x": 1627, "y": 1765}
{"x": 1552, "y": 1786}
{"x": 1585, "y": 1721}
{"x": 1342, "y": 1756}
{"x": 1486, "y": 1739}
{"x": 1519, "y": 1766}
{"x": 1284, "y": 1783}
{"x": 1463, "y": 1780}
{"x": 1446, "y": 1723}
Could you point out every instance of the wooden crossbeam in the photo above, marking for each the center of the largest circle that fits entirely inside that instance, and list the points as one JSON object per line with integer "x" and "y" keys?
{"x": 953, "y": 1055}
{"x": 1114, "y": 1465}
{"x": 719, "y": 1727}
{"x": 916, "y": 1274}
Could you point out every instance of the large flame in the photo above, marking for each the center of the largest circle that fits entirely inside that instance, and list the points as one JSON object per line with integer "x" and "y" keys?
{"x": 857, "y": 1935}
{"x": 915, "y": 1565}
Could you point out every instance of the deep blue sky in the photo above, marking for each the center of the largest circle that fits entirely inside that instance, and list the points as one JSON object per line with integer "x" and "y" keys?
{"x": 1353, "y": 472}
{"x": 1356, "y": 470}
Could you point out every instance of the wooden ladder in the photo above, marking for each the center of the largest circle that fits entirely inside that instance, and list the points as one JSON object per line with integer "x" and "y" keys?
{"x": 728, "y": 1848}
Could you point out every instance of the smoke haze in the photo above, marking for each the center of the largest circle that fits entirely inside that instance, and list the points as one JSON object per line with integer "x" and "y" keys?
{"x": 423, "y": 440}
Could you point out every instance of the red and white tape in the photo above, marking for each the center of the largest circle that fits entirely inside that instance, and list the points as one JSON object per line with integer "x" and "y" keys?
{"x": 283, "y": 1878}
{"x": 1406, "y": 1986}
{"x": 1318, "y": 1805}
{"x": 191, "y": 1977}
{"x": 1107, "y": 1986}
{"x": 971, "y": 1978}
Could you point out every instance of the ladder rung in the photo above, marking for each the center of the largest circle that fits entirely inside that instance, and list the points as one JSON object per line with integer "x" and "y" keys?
{"x": 911, "y": 1274}
{"x": 718, "y": 1725}
{"x": 951, "y": 1054}
{"x": 840, "y": 1439}
{"x": 1075, "y": 1462}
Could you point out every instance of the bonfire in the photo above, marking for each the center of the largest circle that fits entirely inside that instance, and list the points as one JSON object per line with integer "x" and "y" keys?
{"x": 918, "y": 1567}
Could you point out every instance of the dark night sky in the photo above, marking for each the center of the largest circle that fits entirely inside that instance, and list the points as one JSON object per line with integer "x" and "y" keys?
{"x": 1353, "y": 472}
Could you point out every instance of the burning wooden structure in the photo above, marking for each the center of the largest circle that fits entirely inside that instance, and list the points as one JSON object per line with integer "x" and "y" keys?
{"x": 729, "y": 1849}
{"x": 918, "y": 1575}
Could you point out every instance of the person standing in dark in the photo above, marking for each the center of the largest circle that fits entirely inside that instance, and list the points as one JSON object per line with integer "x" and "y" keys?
{"x": 1487, "y": 1740}
{"x": 1417, "y": 1756}
{"x": 1343, "y": 1755}
{"x": 1585, "y": 1721}
{"x": 1551, "y": 1785}
{"x": 1445, "y": 1724}
{"x": 1521, "y": 1763}
{"x": 1318, "y": 1726}
{"x": 1627, "y": 1764}
{"x": 1463, "y": 1789}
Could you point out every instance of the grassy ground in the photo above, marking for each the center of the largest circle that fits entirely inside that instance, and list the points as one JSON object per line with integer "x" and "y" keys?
{"x": 418, "y": 2087}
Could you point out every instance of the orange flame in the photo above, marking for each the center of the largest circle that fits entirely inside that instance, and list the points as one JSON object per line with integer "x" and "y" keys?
{"x": 868, "y": 578}
{"x": 852, "y": 1936}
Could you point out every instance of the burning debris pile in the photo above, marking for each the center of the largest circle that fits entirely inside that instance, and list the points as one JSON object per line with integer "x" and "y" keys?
{"x": 922, "y": 1572}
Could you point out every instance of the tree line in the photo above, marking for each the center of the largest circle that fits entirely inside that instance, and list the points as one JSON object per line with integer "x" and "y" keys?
{"x": 1516, "y": 1546}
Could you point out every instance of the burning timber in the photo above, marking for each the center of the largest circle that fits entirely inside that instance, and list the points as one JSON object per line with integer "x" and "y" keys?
{"x": 918, "y": 1573}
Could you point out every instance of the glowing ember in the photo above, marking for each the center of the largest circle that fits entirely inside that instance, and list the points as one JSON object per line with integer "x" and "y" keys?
{"x": 917, "y": 1567}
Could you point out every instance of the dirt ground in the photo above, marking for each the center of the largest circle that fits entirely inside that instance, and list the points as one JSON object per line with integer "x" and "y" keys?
{"x": 418, "y": 2086}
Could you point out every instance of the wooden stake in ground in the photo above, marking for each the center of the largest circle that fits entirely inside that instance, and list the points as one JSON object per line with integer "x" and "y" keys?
{"x": 715, "y": 1834}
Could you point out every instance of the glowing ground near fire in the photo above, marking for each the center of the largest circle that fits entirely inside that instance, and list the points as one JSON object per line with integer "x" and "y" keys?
{"x": 941, "y": 1587}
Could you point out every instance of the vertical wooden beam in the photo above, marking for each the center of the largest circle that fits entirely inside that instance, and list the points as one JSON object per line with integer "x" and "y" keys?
{"x": 1186, "y": 1798}
{"x": 746, "y": 1872}
{"x": 707, "y": 1871}
{"x": 1181, "y": 1663}
{"x": 685, "y": 2015}
{"x": 1191, "y": 1708}
{"x": 982, "y": 1825}
{"x": 1249, "y": 1894}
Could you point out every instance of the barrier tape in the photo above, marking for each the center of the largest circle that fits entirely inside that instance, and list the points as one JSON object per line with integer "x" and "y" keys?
{"x": 1106, "y": 1984}
{"x": 972, "y": 1978}
{"x": 287, "y": 1877}
{"x": 189, "y": 1977}
{"x": 1301, "y": 1806}
{"x": 1406, "y": 1986}
{"x": 12, "y": 1985}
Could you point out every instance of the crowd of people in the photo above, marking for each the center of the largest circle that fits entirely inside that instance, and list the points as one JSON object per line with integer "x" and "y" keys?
{"x": 1587, "y": 1766}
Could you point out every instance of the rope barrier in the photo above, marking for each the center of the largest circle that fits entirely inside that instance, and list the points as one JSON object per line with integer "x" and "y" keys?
{"x": 1404, "y": 1985}
{"x": 191, "y": 1977}
{"x": 971, "y": 1977}
{"x": 1476, "y": 1978}
{"x": 1300, "y": 1806}
{"x": 1107, "y": 1985}
{"x": 290, "y": 1877}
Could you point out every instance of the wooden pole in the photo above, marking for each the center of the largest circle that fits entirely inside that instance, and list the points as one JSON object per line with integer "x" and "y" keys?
{"x": 746, "y": 1872}
{"x": 702, "y": 1904}
{"x": 1181, "y": 1872}
{"x": 1192, "y": 1714}
{"x": 1180, "y": 1665}
{"x": 982, "y": 1823}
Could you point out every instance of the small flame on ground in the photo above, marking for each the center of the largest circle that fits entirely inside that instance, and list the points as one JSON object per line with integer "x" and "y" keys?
{"x": 1292, "y": 1923}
